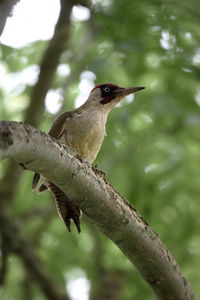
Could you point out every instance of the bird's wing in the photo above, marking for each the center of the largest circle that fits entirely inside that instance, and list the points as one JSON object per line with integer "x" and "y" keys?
{"x": 58, "y": 127}
{"x": 56, "y": 131}
{"x": 67, "y": 209}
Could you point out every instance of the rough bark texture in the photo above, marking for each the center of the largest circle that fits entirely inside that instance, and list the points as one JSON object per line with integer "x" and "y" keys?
{"x": 109, "y": 212}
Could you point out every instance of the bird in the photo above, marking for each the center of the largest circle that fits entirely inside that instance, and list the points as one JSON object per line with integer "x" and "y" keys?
{"x": 83, "y": 129}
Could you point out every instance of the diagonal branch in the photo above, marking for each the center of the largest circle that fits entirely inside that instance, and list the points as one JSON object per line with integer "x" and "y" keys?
{"x": 22, "y": 247}
{"x": 107, "y": 209}
{"x": 15, "y": 241}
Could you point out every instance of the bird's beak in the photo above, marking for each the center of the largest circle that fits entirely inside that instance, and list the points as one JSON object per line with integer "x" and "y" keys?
{"x": 129, "y": 90}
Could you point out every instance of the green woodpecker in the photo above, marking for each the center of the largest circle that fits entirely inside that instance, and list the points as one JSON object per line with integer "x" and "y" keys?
{"x": 83, "y": 129}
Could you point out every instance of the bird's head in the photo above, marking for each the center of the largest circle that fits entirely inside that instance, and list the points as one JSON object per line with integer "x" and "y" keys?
{"x": 106, "y": 96}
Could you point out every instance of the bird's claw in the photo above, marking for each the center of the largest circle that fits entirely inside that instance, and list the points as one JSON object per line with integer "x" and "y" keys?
{"x": 100, "y": 172}
{"x": 76, "y": 222}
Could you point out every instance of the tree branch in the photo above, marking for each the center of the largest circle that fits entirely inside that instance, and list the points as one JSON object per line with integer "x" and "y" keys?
{"x": 107, "y": 209}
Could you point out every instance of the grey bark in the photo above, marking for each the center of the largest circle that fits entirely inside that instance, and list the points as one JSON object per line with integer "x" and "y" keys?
{"x": 106, "y": 208}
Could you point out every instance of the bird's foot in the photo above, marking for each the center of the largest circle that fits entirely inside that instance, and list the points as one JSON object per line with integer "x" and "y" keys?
{"x": 23, "y": 166}
{"x": 100, "y": 172}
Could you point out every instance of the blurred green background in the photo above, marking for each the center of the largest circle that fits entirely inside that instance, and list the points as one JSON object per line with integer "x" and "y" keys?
{"x": 151, "y": 153}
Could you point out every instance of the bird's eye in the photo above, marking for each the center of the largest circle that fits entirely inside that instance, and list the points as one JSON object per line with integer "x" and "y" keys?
{"x": 107, "y": 89}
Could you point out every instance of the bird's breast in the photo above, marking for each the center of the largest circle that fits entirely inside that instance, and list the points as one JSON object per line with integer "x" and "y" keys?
{"x": 85, "y": 134}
